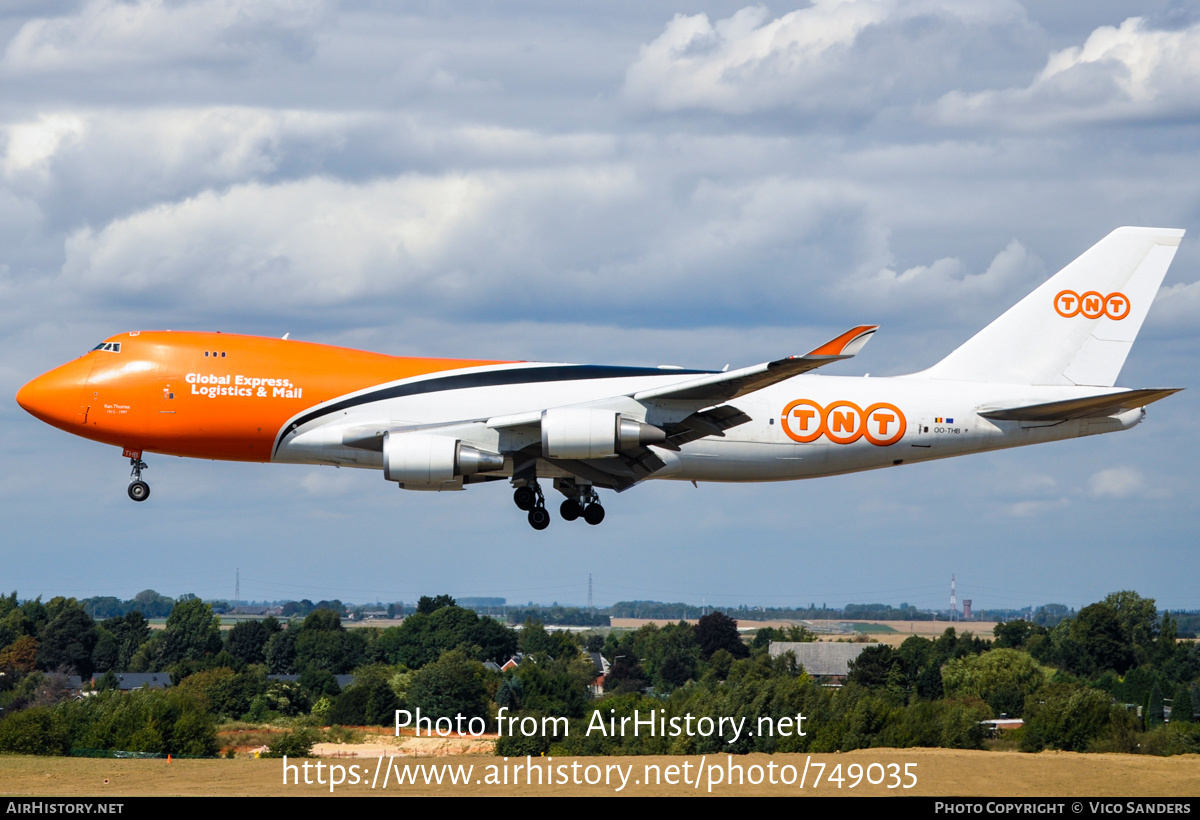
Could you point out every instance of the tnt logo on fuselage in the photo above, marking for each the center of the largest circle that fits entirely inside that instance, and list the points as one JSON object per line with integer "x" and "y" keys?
{"x": 1092, "y": 305}
{"x": 843, "y": 422}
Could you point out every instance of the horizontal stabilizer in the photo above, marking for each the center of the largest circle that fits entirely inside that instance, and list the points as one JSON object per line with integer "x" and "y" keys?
{"x": 720, "y": 387}
{"x": 1109, "y": 404}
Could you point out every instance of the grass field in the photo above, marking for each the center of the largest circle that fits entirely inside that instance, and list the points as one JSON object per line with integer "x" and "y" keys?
{"x": 939, "y": 772}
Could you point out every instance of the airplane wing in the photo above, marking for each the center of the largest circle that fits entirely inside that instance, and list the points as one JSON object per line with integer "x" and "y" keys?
{"x": 721, "y": 387}
{"x": 628, "y": 467}
{"x": 1089, "y": 406}
{"x": 632, "y": 466}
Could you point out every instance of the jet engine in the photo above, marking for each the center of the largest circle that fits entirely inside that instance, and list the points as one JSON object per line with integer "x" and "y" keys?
{"x": 580, "y": 432}
{"x": 418, "y": 458}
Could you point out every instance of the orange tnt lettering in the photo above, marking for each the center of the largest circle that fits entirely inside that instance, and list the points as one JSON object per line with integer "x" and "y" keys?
{"x": 841, "y": 422}
{"x": 1092, "y": 305}
{"x": 1066, "y": 303}
{"x": 884, "y": 419}
{"x": 884, "y": 415}
{"x": 805, "y": 416}
{"x": 807, "y": 413}
{"x": 1116, "y": 306}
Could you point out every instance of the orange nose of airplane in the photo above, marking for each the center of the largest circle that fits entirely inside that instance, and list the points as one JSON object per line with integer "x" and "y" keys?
{"x": 55, "y": 397}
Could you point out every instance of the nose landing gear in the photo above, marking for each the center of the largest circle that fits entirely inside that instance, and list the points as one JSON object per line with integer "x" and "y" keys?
{"x": 138, "y": 490}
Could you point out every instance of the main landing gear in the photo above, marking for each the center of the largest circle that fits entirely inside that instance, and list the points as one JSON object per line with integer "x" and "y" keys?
{"x": 529, "y": 497}
{"x": 138, "y": 490}
{"x": 581, "y": 502}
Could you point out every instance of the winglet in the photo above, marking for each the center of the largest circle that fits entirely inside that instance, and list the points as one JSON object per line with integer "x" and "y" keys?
{"x": 848, "y": 344}
{"x": 725, "y": 386}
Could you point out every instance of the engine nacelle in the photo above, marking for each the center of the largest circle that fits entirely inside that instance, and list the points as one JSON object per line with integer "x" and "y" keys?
{"x": 581, "y": 432}
{"x": 419, "y": 458}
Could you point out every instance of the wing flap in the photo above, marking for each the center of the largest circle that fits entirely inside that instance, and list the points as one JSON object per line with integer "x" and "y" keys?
{"x": 1090, "y": 406}
{"x": 712, "y": 422}
{"x": 721, "y": 387}
{"x": 620, "y": 473}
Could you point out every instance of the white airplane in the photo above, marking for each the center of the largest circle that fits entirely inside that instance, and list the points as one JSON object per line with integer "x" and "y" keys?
{"x": 1043, "y": 371}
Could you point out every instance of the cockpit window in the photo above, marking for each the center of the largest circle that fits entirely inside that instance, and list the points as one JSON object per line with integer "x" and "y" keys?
{"x": 111, "y": 347}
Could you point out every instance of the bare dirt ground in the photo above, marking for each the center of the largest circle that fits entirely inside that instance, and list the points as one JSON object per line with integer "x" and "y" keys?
{"x": 939, "y": 772}
{"x": 408, "y": 746}
{"x": 892, "y": 632}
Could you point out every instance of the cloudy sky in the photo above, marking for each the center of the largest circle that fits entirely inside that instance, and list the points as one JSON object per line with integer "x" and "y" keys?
{"x": 618, "y": 183}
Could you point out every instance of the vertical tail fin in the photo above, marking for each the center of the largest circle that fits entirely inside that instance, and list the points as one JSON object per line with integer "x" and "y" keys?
{"x": 1078, "y": 326}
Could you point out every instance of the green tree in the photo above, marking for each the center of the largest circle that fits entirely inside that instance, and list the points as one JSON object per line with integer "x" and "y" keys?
{"x": 247, "y": 641}
{"x": 718, "y": 631}
{"x": 281, "y": 652}
{"x": 1015, "y": 634}
{"x": 151, "y": 604}
{"x": 192, "y": 632}
{"x": 428, "y": 606}
{"x": 1137, "y": 616}
{"x": 1065, "y": 716}
{"x": 423, "y": 637}
{"x": 68, "y": 640}
{"x": 122, "y": 637}
{"x": 1098, "y": 640}
{"x": 322, "y": 642}
{"x": 1154, "y": 707}
{"x": 873, "y": 665}
{"x": 1002, "y": 678}
{"x": 625, "y": 676}
{"x": 451, "y": 685}
{"x": 1182, "y": 709}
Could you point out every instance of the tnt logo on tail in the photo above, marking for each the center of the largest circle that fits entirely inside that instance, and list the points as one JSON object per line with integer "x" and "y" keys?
{"x": 1091, "y": 305}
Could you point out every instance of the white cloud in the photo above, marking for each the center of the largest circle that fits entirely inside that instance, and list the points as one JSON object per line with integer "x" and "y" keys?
{"x": 1177, "y": 305}
{"x": 1123, "y": 482}
{"x": 1130, "y": 72}
{"x": 1031, "y": 509}
{"x": 31, "y": 145}
{"x": 321, "y": 242}
{"x": 811, "y": 58}
{"x": 561, "y": 241}
{"x": 945, "y": 283}
{"x": 109, "y": 34}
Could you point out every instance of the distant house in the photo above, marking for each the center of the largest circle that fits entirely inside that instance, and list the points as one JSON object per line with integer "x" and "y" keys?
{"x": 260, "y": 611}
{"x": 602, "y": 668}
{"x": 342, "y": 680}
{"x": 828, "y": 662}
{"x": 128, "y": 681}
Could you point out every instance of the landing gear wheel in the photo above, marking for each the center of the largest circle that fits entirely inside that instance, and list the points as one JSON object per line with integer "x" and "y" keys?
{"x": 570, "y": 509}
{"x": 139, "y": 490}
{"x": 539, "y": 518}
{"x": 593, "y": 514}
{"x": 524, "y": 498}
